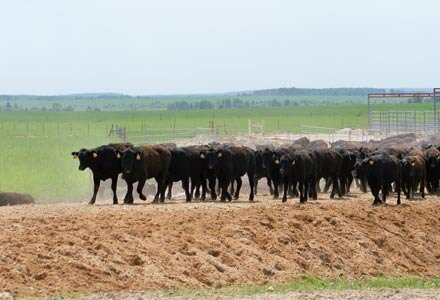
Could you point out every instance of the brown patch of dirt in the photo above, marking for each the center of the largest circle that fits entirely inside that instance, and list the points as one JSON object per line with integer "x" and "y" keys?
{"x": 49, "y": 249}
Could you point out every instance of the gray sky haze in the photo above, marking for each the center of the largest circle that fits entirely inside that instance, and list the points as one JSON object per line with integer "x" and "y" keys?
{"x": 201, "y": 46}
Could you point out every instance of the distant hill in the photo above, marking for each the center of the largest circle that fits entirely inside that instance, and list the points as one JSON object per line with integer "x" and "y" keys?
{"x": 65, "y": 97}
{"x": 293, "y": 91}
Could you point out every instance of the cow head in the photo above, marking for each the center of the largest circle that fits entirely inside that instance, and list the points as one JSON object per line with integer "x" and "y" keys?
{"x": 362, "y": 166}
{"x": 267, "y": 158}
{"x": 87, "y": 158}
{"x": 259, "y": 159}
{"x": 409, "y": 166}
{"x": 212, "y": 157}
{"x": 129, "y": 159}
{"x": 432, "y": 161}
{"x": 287, "y": 162}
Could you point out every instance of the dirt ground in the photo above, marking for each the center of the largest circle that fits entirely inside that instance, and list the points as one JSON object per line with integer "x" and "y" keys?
{"x": 59, "y": 248}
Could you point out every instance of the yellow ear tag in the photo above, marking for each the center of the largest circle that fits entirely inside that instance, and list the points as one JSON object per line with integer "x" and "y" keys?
{"x": 138, "y": 157}
{"x": 95, "y": 155}
{"x": 371, "y": 162}
{"x": 277, "y": 162}
{"x": 219, "y": 154}
{"x": 202, "y": 155}
{"x": 413, "y": 164}
{"x": 293, "y": 162}
{"x": 118, "y": 155}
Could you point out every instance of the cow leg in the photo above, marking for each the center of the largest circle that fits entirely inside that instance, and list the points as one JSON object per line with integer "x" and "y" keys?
{"x": 185, "y": 185}
{"x": 293, "y": 191}
{"x": 306, "y": 190}
{"x": 128, "y": 199}
{"x": 96, "y": 183}
{"x": 375, "y": 192}
{"x": 343, "y": 184}
{"x": 251, "y": 178}
{"x": 414, "y": 184}
{"x": 422, "y": 187}
{"x": 224, "y": 184}
{"x": 398, "y": 187}
{"x": 237, "y": 191}
{"x": 285, "y": 188}
{"x": 302, "y": 193}
{"x": 337, "y": 186}
{"x": 203, "y": 184}
{"x": 328, "y": 182}
{"x": 363, "y": 185}
{"x": 276, "y": 183}
{"x": 139, "y": 189}
{"x": 162, "y": 189}
{"x": 212, "y": 188}
{"x": 255, "y": 185}
{"x": 114, "y": 185}
{"x": 311, "y": 189}
{"x": 231, "y": 187}
{"x": 349, "y": 182}
{"x": 269, "y": 183}
{"x": 385, "y": 190}
{"x": 318, "y": 187}
{"x": 170, "y": 188}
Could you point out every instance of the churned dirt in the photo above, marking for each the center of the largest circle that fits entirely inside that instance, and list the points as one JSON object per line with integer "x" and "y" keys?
{"x": 58, "y": 248}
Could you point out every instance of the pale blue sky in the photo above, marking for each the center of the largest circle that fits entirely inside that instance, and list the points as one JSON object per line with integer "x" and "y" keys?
{"x": 203, "y": 46}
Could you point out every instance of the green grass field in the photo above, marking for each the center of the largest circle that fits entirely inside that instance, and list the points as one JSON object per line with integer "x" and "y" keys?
{"x": 36, "y": 146}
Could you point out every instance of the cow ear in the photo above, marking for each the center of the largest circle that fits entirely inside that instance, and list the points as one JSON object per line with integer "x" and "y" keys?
{"x": 75, "y": 155}
{"x": 94, "y": 154}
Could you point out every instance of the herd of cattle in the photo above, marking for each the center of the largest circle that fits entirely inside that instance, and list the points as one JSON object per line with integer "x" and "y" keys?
{"x": 296, "y": 169}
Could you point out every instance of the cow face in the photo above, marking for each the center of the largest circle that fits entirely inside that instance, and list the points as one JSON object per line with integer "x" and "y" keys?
{"x": 129, "y": 158}
{"x": 432, "y": 161}
{"x": 267, "y": 157}
{"x": 361, "y": 167}
{"x": 212, "y": 157}
{"x": 286, "y": 164}
{"x": 87, "y": 158}
{"x": 409, "y": 166}
{"x": 259, "y": 159}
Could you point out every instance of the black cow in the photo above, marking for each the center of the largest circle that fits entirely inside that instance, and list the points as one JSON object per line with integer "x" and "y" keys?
{"x": 229, "y": 164}
{"x": 298, "y": 167}
{"x": 105, "y": 163}
{"x": 180, "y": 170}
{"x": 413, "y": 174}
{"x": 381, "y": 171}
{"x": 432, "y": 157}
{"x": 329, "y": 164}
{"x": 261, "y": 171}
{"x": 141, "y": 163}
{"x": 271, "y": 161}
{"x": 345, "y": 175}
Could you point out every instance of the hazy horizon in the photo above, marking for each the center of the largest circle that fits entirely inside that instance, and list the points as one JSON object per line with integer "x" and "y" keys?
{"x": 176, "y": 47}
